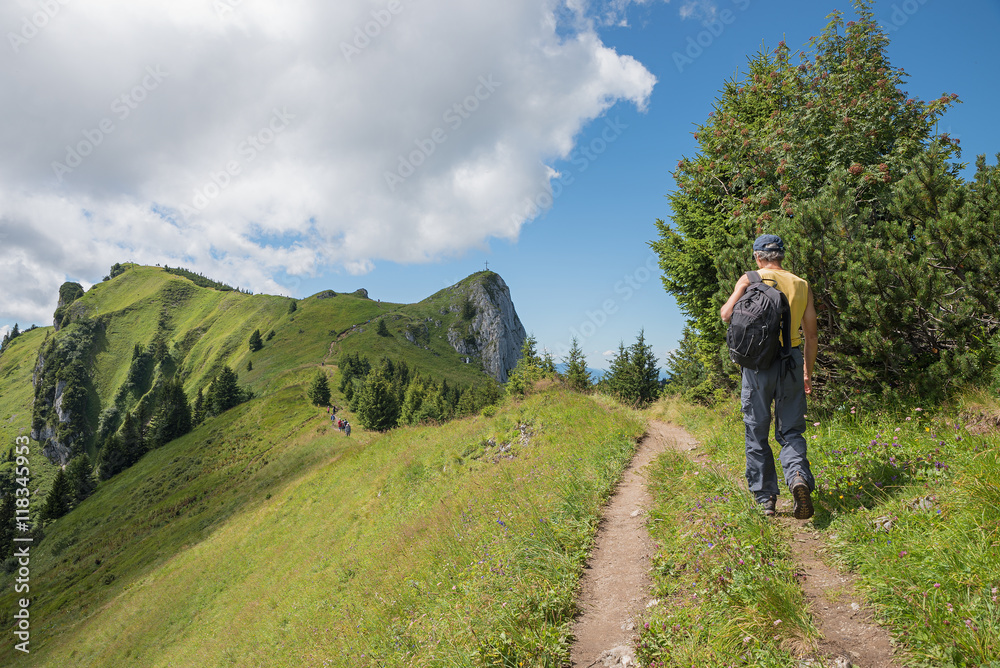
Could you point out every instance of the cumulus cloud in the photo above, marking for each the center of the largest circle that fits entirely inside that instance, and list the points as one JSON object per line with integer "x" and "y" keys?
{"x": 249, "y": 139}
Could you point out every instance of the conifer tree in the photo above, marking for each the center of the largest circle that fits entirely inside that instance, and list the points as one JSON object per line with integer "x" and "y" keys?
{"x": 319, "y": 390}
{"x": 59, "y": 499}
{"x": 80, "y": 474}
{"x": 821, "y": 153}
{"x": 634, "y": 375}
{"x": 377, "y": 407}
{"x": 256, "y": 342}
{"x": 224, "y": 392}
{"x": 576, "y": 372}
{"x": 111, "y": 458}
{"x": 413, "y": 400}
{"x": 548, "y": 365}
{"x": 173, "y": 417}
{"x": 198, "y": 414}
{"x": 382, "y": 329}
{"x": 528, "y": 370}
{"x": 133, "y": 444}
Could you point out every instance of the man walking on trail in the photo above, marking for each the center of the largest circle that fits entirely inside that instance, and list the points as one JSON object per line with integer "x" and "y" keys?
{"x": 786, "y": 383}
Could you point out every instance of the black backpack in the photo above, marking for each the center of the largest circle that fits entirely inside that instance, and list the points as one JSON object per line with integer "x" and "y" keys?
{"x": 760, "y": 315}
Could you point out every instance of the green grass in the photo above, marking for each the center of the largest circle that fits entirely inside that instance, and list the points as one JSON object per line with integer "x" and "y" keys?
{"x": 908, "y": 502}
{"x": 16, "y": 365}
{"x": 267, "y": 538}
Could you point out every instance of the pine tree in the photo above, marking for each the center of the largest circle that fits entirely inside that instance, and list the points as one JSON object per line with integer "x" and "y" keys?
{"x": 224, "y": 392}
{"x": 133, "y": 444}
{"x": 528, "y": 370}
{"x": 820, "y": 152}
{"x": 198, "y": 415}
{"x": 382, "y": 329}
{"x": 173, "y": 418}
{"x": 59, "y": 499}
{"x": 413, "y": 400}
{"x": 256, "y": 343}
{"x": 634, "y": 375}
{"x": 111, "y": 458}
{"x": 81, "y": 478}
{"x": 548, "y": 364}
{"x": 576, "y": 373}
{"x": 319, "y": 391}
{"x": 377, "y": 407}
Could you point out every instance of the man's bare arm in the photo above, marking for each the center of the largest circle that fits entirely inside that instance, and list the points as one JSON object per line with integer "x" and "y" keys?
{"x": 726, "y": 312}
{"x": 810, "y": 337}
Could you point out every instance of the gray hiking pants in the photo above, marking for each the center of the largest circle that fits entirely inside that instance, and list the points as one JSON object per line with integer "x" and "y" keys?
{"x": 781, "y": 384}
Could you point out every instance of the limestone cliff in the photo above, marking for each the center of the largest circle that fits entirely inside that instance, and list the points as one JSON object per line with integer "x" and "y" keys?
{"x": 494, "y": 334}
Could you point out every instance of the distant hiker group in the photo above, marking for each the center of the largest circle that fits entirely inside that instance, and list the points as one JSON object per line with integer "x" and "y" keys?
{"x": 342, "y": 424}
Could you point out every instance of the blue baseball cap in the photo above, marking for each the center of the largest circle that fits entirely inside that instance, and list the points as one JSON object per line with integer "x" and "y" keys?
{"x": 769, "y": 242}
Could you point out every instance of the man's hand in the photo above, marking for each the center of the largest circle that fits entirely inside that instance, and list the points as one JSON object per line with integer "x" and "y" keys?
{"x": 807, "y": 382}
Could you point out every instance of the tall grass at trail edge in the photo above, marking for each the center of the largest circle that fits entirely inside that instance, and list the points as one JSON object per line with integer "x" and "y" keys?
{"x": 907, "y": 500}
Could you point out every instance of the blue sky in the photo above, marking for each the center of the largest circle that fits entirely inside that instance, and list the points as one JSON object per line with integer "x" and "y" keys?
{"x": 588, "y": 109}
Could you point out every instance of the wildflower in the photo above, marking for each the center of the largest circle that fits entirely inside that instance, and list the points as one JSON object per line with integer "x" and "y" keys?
{"x": 746, "y": 640}
{"x": 908, "y": 418}
{"x": 918, "y": 409}
{"x": 903, "y": 553}
{"x": 898, "y": 428}
{"x": 777, "y": 621}
{"x": 815, "y": 424}
{"x": 937, "y": 585}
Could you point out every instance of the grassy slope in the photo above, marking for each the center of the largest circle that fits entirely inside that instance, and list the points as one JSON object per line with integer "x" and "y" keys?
{"x": 278, "y": 544}
{"x": 16, "y": 396}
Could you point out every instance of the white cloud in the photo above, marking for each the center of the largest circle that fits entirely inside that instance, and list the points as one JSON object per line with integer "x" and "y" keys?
{"x": 609, "y": 353}
{"x": 705, "y": 10}
{"x": 245, "y": 139}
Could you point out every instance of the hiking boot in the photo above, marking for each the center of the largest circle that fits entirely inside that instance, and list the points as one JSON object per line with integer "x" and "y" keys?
{"x": 768, "y": 505}
{"x": 802, "y": 507}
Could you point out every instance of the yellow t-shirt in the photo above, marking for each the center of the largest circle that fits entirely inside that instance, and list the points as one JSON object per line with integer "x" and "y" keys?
{"x": 796, "y": 290}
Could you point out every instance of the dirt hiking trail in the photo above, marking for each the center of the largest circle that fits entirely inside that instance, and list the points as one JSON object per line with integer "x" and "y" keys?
{"x": 615, "y": 588}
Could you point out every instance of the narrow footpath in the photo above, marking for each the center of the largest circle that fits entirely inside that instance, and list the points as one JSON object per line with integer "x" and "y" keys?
{"x": 615, "y": 588}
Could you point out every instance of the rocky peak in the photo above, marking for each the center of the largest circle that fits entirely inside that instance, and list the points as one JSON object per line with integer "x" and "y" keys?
{"x": 495, "y": 333}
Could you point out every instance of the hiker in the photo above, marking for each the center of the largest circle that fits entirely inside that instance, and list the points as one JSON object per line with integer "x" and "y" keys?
{"x": 347, "y": 428}
{"x": 340, "y": 425}
{"x": 786, "y": 382}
